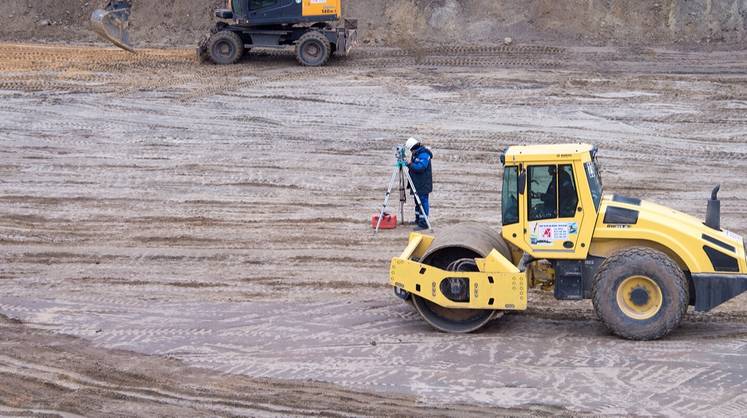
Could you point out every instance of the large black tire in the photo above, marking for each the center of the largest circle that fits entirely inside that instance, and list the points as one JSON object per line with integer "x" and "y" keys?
{"x": 640, "y": 294}
{"x": 313, "y": 49}
{"x": 225, "y": 47}
{"x": 453, "y": 249}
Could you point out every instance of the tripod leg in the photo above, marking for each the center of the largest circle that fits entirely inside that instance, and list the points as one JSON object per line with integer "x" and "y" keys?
{"x": 402, "y": 196}
{"x": 386, "y": 199}
{"x": 417, "y": 200}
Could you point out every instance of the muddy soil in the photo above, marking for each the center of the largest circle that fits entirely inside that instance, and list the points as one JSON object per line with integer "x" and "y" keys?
{"x": 192, "y": 215}
{"x": 403, "y": 23}
{"x": 45, "y": 374}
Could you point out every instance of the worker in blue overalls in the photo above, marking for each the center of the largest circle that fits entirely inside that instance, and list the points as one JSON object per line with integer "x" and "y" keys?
{"x": 421, "y": 172}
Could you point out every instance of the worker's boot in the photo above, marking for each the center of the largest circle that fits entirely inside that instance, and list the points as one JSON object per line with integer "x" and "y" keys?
{"x": 420, "y": 225}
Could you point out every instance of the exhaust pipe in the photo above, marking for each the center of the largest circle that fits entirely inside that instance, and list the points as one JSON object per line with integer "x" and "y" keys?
{"x": 713, "y": 212}
{"x": 112, "y": 23}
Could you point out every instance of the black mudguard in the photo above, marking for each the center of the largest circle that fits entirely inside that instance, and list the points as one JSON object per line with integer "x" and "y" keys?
{"x": 712, "y": 290}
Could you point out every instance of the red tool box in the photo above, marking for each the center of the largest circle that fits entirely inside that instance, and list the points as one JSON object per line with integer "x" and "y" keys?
{"x": 388, "y": 221}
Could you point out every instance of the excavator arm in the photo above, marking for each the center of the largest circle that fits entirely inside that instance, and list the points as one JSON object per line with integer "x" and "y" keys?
{"x": 111, "y": 23}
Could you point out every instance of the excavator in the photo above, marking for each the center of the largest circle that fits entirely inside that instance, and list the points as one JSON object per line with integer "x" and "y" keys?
{"x": 314, "y": 27}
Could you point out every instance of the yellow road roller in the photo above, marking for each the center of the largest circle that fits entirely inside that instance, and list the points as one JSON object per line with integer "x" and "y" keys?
{"x": 641, "y": 264}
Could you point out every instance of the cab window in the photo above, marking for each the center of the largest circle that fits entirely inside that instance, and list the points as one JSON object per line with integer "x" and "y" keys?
{"x": 567, "y": 194}
{"x": 543, "y": 199}
{"x": 261, "y": 4}
{"x": 510, "y": 196}
{"x": 552, "y": 192}
{"x": 595, "y": 182}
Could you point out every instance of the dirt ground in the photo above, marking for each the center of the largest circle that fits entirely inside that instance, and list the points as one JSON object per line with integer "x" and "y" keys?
{"x": 700, "y": 24}
{"x": 183, "y": 239}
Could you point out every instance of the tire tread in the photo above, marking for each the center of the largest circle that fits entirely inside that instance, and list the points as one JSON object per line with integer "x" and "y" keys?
{"x": 622, "y": 258}
{"x": 226, "y": 35}
{"x": 314, "y": 34}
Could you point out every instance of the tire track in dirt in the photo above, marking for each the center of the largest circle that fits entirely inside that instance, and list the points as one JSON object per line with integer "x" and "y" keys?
{"x": 248, "y": 339}
{"x": 78, "y": 380}
{"x": 218, "y": 215}
{"x": 86, "y": 65}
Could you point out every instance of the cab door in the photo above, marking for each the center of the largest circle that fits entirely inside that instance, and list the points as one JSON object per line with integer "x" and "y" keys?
{"x": 553, "y": 212}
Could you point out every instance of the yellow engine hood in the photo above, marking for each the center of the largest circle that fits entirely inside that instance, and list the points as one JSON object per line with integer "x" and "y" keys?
{"x": 683, "y": 237}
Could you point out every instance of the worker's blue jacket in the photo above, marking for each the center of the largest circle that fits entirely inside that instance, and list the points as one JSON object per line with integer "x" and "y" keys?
{"x": 420, "y": 169}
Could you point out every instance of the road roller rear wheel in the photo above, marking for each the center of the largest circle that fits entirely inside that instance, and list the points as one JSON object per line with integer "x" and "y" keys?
{"x": 640, "y": 293}
{"x": 455, "y": 250}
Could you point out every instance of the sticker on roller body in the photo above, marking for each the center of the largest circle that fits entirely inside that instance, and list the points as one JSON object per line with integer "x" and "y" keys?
{"x": 733, "y": 236}
{"x": 548, "y": 233}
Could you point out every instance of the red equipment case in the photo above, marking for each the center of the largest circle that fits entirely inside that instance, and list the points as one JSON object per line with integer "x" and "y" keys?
{"x": 388, "y": 221}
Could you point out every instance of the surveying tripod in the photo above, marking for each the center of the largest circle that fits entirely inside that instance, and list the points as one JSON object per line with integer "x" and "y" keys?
{"x": 401, "y": 175}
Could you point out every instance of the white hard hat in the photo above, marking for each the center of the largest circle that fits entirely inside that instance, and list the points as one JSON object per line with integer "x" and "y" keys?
{"x": 411, "y": 142}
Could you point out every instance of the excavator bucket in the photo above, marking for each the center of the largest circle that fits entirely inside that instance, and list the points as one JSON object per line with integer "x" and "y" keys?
{"x": 111, "y": 23}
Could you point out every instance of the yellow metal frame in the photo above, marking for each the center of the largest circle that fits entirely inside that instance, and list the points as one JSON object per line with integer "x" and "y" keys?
{"x": 498, "y": 284}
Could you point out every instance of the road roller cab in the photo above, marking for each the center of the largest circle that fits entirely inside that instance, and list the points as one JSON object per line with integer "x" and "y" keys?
{"x": 642, "y": 264}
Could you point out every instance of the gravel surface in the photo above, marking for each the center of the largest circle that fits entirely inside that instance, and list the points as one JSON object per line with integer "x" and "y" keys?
{"x": 217, "y": 217}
